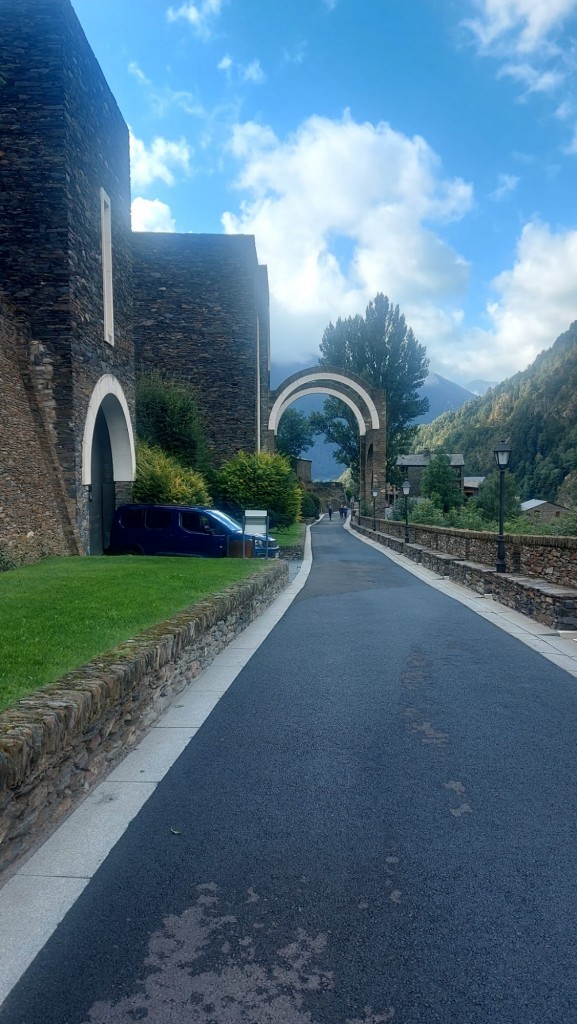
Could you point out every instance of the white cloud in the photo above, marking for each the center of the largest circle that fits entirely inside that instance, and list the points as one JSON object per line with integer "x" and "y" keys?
{"x": 522, "y": 26}
{"x": 340, "y": 211}
{"x": 533, "y": 79}
{"x": 572, "y": 147}
{"x": 536, "y": 301}
{"x": 253, "y": 73}
{"x": 151, "y": 215}
{"x": 199, "y": 15}
{"x": 158, "y": 160}
{"x": 138, "y": 73}
{"x": 296, "y": 55}
{"x": 532, "y": 39}
{"x": 506, "y": 184}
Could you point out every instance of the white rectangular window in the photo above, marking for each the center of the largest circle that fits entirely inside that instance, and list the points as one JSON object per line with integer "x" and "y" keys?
{"x": 106, "y": 234}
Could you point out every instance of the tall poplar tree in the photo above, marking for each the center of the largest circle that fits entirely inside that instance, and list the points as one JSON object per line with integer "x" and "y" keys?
{"x": 383, "y": 350}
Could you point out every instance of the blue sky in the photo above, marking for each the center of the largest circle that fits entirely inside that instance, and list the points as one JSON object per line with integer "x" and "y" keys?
{"x": 423, "y": 148}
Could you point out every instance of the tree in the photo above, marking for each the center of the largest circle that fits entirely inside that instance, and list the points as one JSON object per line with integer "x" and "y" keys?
{"x": 295, "y": 434}
{"x": 382, "y": 350}
{"x": 261, "y": 480}
{"x": 488, "y": 498}
{"x": 339, "y": 425}
{"x": 167, "y": 417}
{"x": 439, "y": 483}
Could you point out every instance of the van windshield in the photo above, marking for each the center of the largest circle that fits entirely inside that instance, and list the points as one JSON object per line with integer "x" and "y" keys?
{"x": 223, "y": 518}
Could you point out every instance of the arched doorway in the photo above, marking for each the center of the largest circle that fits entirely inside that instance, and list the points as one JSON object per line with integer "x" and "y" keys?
{"x": 102, "y": 498}
{"x": 108, "y": 457}
{"x": 368, "y": 405}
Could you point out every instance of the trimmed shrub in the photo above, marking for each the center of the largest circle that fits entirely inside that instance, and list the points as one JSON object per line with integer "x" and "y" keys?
{"x": 261, "y": 480}
{"x": 310, "y": 506}
{"x": 162, "y": 480}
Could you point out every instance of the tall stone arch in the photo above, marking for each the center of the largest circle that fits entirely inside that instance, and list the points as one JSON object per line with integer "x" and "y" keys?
{"x": 367, "y": 403}
{"x": 108, "y": 456}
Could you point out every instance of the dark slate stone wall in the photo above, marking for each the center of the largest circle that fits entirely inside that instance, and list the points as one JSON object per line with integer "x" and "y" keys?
{"x": 61, "y": 139}
{"x": 35, "y": 520}
{"x": 197, "y": 301}
{"x": 97, "y": 154}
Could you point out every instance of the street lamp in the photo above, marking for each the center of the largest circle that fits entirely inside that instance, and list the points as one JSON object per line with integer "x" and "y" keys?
{"x": 375, "y": 492}
{"x": 406, "y": 491}
{"x": 502, "y": 453}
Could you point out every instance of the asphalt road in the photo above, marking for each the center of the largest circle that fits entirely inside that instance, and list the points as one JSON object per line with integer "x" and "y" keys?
{"x": 376, "y": 823}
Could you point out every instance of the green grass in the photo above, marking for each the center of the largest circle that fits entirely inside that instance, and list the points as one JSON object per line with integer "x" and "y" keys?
{"x": 62, "y": 612}
{"x": 292, "y": 535}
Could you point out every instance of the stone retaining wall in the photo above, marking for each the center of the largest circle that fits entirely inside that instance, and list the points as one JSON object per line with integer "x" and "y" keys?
{"x": 553, "y": 604}
{"x": 551, "y": 558}
{"x": 56, "y": 743}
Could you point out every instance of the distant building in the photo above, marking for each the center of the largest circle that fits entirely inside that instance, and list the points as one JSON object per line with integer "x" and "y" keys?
{"x": 547, "y": 511}
{"x": 303, "y": 469}
{"x": 413, "y": 467}
{"x": 471, "y": 486}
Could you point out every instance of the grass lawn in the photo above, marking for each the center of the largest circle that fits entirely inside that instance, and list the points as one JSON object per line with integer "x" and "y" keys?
{"x": 60, "y": 613}
{"x": 292, "y": 535}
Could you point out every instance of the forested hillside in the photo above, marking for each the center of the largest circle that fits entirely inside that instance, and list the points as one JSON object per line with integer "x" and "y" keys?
{"x": 537, "y": 410}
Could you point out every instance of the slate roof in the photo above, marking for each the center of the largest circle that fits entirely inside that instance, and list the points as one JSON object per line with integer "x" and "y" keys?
{"x": 423, "y": 459}
{"x": 526, "y": 506}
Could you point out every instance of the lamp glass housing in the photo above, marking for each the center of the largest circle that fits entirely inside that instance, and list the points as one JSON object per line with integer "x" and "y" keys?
{"x": 406, "y": 488}
{"x": 502, "y": 453}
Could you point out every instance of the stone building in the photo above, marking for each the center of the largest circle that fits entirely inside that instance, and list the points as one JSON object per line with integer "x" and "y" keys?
{"x": 201, "y": 314}
{"x": 413, "y": 467}
{"x": 85, "y": 303}
{"x": 543, "y": 511}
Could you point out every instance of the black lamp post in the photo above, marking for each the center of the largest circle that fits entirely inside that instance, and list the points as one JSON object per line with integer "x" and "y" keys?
{"x": 406, "y": 492}
{"x": 375, "y": 492}
{"x": 502, "y": 453}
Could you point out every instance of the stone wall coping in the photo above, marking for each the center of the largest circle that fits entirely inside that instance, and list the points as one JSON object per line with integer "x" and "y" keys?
{"x": 543, "y": 586}
{"x": 37, "y": 724}
{"x": 478, "y": 566}
{"x": 530, "y": 539}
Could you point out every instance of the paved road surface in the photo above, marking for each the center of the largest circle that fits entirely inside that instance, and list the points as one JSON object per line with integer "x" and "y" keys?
{"x": 376, "y": 823}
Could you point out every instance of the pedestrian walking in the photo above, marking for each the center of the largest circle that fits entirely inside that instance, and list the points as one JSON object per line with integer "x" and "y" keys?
{"x": 330, "y": 511}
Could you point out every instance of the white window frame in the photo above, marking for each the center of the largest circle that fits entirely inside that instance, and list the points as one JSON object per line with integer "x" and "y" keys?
{"x": 106, "y": 243}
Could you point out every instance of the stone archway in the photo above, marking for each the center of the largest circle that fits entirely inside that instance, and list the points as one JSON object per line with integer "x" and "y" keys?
{"x": 368, "y": 405}
{"x": 108, "y": 457}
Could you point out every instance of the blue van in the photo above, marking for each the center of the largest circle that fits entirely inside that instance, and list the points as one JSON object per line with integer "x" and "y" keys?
{"x": 183, "y": 530}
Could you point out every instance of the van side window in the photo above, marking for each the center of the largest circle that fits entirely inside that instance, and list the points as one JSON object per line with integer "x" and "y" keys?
{"x": 133, "y": 518}
{"x": 211, "y": 526}
{"x": 190, "y": 521}
{"x": 158, "y": 518}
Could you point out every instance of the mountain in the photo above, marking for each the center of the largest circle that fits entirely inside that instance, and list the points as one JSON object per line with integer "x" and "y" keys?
{"x": 443, "y": 394}
{"x": 478, "y": 387}
{"x": 537, "y": 410}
